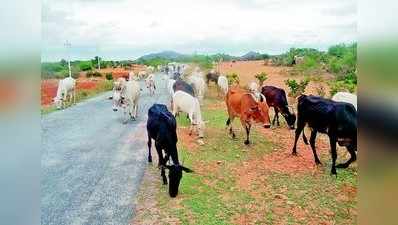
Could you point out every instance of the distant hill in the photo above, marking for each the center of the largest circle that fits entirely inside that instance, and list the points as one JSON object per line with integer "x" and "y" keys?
{"x": 170, "y": 55}
{"x": 251, "y": 56}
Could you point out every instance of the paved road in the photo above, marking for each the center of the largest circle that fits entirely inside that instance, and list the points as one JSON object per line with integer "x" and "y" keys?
{"x": 92, "y": 164}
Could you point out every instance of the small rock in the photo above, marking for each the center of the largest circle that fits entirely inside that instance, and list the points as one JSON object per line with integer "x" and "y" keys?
{"x": 280, "y": 196}
{"x": 219, "y": 162}
{"x": 290, "y": 203}
{"x": 237, "y": 156}
{"x": 200, "y": 142}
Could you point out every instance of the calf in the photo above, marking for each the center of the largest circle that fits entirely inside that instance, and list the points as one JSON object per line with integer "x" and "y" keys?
{"x": 336, "y": 119}
{"x": 161, "y": 126}
{"x": 276, "y": 98}
{"x": 184, "y": 102}
{"x": 150, "y": 84}
{"x": 243, "y": 104}
{"x": 66, "y": 88}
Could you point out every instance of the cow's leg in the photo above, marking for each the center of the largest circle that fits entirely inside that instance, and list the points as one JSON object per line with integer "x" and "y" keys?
{"x": 74, "y": 95}
{"x": 312, "y": 142}
{"x": 125, "y": 114}
{"x": 299, "y": 129}
{"x": 276, "y": 116}
{"x": 247, "y": 126}
{"x": 149, "y": 149}
{"x": 162, "y": 163}
{"x": 351, "y": 150}
{"x": 333, "y": 151}
{"x": 191, "y": 127}
{"x": 229, "y": 125}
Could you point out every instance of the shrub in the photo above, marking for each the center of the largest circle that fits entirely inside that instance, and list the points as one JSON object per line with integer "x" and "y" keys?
{"x": 261, "y": 77}
{"x": 93, "y": 74}
{"x": 296, "y": 89}
{"x": 85, "y": 66}
{"x": 233, "y": 78}
{"x": 337, "y": 86}
{"x": 109, "y": 76}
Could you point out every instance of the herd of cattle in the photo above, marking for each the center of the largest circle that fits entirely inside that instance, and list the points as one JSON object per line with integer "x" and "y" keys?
{"x": 336, "y": 117}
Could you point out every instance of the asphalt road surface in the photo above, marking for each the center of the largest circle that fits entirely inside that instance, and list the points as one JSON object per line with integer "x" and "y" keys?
{"x": 91, "y": 163}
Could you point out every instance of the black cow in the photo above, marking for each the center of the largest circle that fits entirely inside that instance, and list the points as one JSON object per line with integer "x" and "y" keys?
{"x": 336, "y": 119}
{"x": 161, "y": 127}
{"x": 212, "y": 77}
{"x": 181, "y": 85}
{"x": 276, "y": 98}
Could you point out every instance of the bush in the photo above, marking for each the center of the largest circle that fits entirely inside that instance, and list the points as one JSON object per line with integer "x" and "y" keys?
{"x": 93, "y": 74}
{"x": 109, "y": 76}
{"x": 233, "y": 78}
{"x": 85, "y": 66}
{"x": 337, "y": 86}
{"x": 261, "y": 77}
{"x": 296, "y": 89}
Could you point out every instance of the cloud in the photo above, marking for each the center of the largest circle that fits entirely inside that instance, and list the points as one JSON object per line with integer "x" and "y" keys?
{"x": 125, "y": 28}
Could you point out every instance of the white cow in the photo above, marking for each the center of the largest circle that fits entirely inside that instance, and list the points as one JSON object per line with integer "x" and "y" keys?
{"x": 346, "y": 97}
{"x": 119, "y": 84}
{"x": 222, "y": 83}
{"x": 253, "y": 88}
{"x": 127, "y": 98}
{"x": 66, "y": 87}
{"x": 184, "y": 102}
{"x": 199, "y": 86}
{"x": 150, "y": 83}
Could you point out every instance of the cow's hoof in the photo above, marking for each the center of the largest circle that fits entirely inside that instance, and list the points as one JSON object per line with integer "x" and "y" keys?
{"x": 294, "y": 153}
{"x": 149, "y": 160}
{"x": 318, "y": 162}
{"x": 133, "y": 118}
{"x": 247, "y": 142}
{"x": 333, "y": 172}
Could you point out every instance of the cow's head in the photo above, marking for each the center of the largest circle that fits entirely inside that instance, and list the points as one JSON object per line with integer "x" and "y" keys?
{"x": 175, "y": 175}
{"x": 117, "y": 98}
{"x": 58, "y": 101}
{"x": 259, "y": 113}
{"x": 290, "y": 117}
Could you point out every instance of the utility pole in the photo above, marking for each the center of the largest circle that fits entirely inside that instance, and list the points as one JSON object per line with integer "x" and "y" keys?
{"x": 68, "y": 46}
{"x": 98, "y": 59}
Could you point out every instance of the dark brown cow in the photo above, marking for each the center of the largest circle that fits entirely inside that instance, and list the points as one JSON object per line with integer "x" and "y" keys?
{"x": 242, "y": 103}
{"x": 276, "y": 98}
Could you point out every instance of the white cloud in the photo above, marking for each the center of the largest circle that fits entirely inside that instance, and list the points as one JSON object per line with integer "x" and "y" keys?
{"x": 125, "y": 28}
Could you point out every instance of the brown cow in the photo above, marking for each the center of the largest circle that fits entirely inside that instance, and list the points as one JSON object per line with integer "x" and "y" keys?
{"x": 242, "y": 103}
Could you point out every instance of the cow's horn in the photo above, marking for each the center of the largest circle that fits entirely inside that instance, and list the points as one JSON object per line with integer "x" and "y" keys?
{"x": 262, "y": 97}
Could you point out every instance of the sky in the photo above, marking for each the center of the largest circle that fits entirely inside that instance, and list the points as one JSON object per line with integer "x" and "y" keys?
{"x": 127, "y": 29}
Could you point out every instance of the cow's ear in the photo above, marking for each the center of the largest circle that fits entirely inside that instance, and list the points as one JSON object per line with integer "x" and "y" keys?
{"x": 187, "y": 170}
